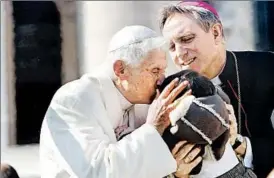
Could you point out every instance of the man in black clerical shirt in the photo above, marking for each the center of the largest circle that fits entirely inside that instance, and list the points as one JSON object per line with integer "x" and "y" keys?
{"x": 196, "y": 41}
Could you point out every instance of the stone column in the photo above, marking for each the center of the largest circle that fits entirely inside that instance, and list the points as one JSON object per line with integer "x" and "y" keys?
{"x": 70, "y": 67}
{"x": 8, "y": 124}
{"x": 4, "y": 98}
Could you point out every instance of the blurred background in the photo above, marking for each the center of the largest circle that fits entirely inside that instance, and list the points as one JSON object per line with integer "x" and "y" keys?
{"x": 49, "y": 43}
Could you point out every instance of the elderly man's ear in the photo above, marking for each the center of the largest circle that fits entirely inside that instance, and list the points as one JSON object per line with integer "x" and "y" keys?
{"x": 119, "y": 68}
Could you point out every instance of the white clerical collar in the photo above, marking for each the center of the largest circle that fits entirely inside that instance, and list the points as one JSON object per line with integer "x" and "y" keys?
{"x": 216, "y": 80}
{"x": 125, "y": 104}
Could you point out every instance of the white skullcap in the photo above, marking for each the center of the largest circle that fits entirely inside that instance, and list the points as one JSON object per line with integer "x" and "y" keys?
{"x": 135, "y": 34}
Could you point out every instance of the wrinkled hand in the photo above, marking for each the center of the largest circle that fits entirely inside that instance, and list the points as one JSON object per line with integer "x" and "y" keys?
{"x": 233, "y": 124}
{"x": 184, "y": 154}
{"x": 158, "y": 113}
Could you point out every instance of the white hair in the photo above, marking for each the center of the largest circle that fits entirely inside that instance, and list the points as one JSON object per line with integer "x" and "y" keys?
{"x": 132, "y": 43}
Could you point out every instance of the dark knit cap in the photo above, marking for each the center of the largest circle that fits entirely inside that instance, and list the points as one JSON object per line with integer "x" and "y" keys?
{"x": 200, "y": 118}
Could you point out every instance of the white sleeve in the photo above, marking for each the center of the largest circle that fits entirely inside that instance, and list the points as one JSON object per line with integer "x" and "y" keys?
{"x": 248, "y": 154}
{"x": 85, "y": 151}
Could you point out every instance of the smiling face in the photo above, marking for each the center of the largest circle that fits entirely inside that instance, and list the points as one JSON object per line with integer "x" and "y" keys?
{"x": 190, "y": 46}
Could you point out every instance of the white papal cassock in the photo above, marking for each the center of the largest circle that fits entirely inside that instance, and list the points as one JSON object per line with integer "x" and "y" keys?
{"x": 78, "y": 138}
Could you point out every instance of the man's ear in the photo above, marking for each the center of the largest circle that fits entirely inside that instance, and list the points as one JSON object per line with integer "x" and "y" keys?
{"x": 217, "y": 31}
{"x": 119, "y": 69}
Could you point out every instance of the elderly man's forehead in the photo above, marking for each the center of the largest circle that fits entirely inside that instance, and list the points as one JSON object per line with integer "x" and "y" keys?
{"x": 156, "y": 58}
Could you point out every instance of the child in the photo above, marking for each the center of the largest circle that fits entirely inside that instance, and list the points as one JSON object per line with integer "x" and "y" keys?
{"x": 203, "y": 119}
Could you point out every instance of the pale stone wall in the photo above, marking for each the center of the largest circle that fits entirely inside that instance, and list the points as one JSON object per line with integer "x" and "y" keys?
{"x": 98, "y": 21}
{"x": 238, "y": 21}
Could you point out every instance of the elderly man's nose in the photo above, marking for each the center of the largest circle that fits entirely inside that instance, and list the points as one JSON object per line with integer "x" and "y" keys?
{"x": 161, "y": 79}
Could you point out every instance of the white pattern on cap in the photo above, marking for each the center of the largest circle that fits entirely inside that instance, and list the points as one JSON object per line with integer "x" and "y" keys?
{"x": 209, "y": 141}
{"x": 182, "y": 109}
{"x": 212, "y": 111}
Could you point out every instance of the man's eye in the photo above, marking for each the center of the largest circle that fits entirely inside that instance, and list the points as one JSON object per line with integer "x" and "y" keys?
{"x": 155, "y": 71}
{"x": 186, "y": 40}
{"x": 171, "y": 47}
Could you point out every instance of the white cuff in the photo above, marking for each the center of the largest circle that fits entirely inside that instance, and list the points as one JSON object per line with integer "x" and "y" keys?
{"x": 248, "y": 154}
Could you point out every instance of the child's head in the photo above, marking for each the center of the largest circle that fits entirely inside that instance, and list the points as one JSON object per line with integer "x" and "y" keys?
{"x": 199, "y": 84}
{"x": 203, "y": 117}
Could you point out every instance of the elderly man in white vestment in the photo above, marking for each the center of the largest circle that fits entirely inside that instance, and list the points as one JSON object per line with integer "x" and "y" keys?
{"x": 82, "y": 131}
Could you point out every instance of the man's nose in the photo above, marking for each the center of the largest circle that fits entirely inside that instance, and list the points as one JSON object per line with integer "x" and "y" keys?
{"x": 179, "y": 60}
{"x": 161, "y": 79}
{"x": 181, "y": 53}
